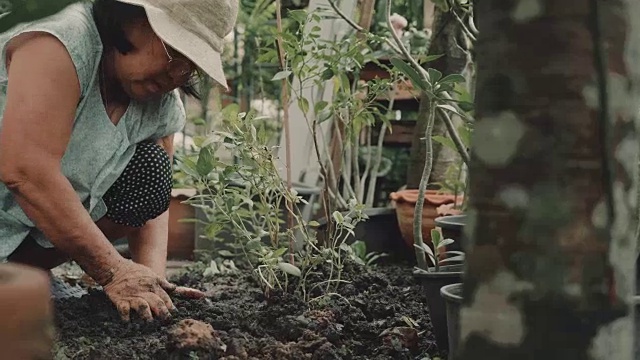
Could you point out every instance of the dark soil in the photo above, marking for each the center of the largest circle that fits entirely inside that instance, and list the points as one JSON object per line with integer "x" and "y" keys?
{"x": 246, "y": 325}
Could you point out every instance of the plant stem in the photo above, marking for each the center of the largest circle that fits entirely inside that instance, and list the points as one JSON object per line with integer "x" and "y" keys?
{"x": 373, "y": 177}
{"x": 285, "y": 122}
{"x": 453, "y": 133}
{"x": 426, "y": 173}
{"x": 379, "y": 145}
{"x": 367, "y": 168}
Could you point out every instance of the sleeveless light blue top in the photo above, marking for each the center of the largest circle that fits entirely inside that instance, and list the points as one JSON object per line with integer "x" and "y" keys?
{"x": 98, "y": 150}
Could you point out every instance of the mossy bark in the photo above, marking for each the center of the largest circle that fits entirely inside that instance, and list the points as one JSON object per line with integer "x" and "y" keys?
{"x": 552, "y": 219}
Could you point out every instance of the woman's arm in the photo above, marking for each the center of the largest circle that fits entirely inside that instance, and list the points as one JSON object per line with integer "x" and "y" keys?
{"x": 41, "y": 101}
{"x": 148, "y": 245}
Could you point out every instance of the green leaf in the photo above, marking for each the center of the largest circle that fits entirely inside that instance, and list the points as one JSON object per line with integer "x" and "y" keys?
{"x": 281, "y": 75}
{"x": 279, "y": 252}
{"x": 206, "y": 162}
{"x": 319, "y": 106}
{"x": 327, "y": 74}
{"x": 299, "y": 16}
{"x": 360, "y": 248}
{"x": 410, "y": 72}
{"x": 430, "y": 58}
{"x": 466, "y": 106}
{"x": 337, "y": 216}
{"x": 189, "y": 167}
{"x": 436, "y": 236}
{"x": 254, "y": 244}
{"x": 324, "y": 116}
{"x": 445, "y": 242}
{"x": 313, "y": 223}
{"x": 454, "y": 252}
{"x": 268, "y": 57}
{"x": 290, "y": 269}
{"x": 450, "y": 109}
{"x": 425, "y": 248}
{"x": 465, "y": 135}
{"x": 225, "y": 253}
{"x": 459, "y": 258}
{"x": 434, "y": 75}
{"x": 303, "y": 104}
{"x": 453, "y": 79}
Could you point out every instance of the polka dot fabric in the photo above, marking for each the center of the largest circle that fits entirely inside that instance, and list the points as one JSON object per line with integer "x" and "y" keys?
{"x": 143, "y": 191}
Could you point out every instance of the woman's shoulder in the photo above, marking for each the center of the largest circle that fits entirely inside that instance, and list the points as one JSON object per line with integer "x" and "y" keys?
{"x": 73, "y": 25}
{"x": 74, "y": 28}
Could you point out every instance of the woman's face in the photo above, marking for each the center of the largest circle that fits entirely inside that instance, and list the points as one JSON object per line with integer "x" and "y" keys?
{"x": 145, "y": 73}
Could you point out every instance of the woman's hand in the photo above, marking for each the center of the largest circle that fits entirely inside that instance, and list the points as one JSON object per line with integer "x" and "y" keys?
{"x": 136, "y": 287}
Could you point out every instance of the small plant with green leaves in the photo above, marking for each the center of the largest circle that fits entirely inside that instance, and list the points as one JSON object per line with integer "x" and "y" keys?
{"x": 243, "y": 197}
{"x": 357, "y": 251}
{"x": 246, "y": 197}
{"x": 439, "y": 255}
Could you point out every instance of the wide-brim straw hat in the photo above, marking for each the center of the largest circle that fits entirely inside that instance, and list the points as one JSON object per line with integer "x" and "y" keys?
{"x": 195, "y": 28}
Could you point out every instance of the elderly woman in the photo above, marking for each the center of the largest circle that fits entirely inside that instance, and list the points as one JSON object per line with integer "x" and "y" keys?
{"x": 87, "y": 123}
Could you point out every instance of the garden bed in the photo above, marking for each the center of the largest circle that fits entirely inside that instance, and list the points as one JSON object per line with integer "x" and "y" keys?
{"x": 385, "y": 318}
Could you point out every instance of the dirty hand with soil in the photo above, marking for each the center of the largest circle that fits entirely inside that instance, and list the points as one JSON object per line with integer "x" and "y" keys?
{"x": 136, "y": 287}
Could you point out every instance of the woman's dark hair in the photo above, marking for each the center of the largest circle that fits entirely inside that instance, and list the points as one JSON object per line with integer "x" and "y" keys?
{"x": 111, "y": 17}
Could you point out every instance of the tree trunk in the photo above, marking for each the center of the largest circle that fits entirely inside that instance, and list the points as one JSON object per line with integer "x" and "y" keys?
{"x": 446, "y": 34}
{"x": 550, "y": 270}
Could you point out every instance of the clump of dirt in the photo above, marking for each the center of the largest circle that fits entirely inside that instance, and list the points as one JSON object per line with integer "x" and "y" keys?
{"x": 380, "y": 314}
{"x": 191, "y": 335}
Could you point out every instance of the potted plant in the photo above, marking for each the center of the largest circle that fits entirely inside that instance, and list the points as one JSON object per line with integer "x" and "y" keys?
{"x": 434, "y": 203}
{"x": 447, "y": 269}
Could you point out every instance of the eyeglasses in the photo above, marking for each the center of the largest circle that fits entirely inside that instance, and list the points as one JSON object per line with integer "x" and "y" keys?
{"x": 179, "y": 70}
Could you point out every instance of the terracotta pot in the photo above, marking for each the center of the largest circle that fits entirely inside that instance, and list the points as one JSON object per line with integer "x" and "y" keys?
{"x": 26, "y": 313}
{"x": 181, "y": 234}
{"x": 405, "y": 202}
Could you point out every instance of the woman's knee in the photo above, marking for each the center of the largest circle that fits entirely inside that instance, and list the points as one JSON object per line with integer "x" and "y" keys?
{"x": 143, "y": 190}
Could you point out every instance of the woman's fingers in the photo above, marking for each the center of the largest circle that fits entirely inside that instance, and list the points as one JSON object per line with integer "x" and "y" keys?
{"x": 189, "y": 292}
{"x": 166, "y": 299}
{"x": 124, "y": 309}
{"x": 142, "y": 308}
{"x": 166, "y": 285}
{"x": 181, "y": 290}
{"x": 158, "y": 306}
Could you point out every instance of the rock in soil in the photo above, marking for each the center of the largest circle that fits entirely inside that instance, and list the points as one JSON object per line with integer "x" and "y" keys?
{"x": 368, "y": 321}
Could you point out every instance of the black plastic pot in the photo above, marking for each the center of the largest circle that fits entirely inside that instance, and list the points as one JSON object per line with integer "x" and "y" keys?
{"x": 380, "y": 232}
{"x": 452, "y": 295}
{"x": 452, "y": 226}
{"x": 432, "y": 282}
